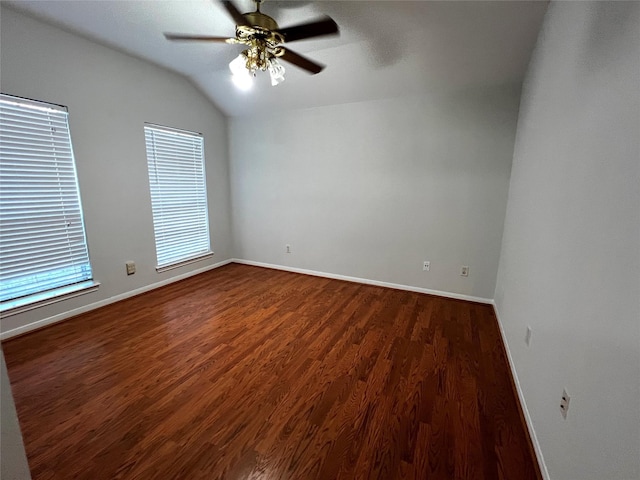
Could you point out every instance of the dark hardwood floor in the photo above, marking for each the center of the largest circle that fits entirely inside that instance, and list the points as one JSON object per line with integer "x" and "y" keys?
{"x": 251, "y": 373}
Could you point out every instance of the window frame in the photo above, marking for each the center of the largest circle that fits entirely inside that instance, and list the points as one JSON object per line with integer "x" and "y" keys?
{"x": 163, "y": 133}
{"x": 21, "y": 149}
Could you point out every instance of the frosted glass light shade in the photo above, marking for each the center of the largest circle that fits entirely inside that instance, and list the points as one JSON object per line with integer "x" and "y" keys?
{"x": 241, "y": 77}
{"x": 276, "y": 71}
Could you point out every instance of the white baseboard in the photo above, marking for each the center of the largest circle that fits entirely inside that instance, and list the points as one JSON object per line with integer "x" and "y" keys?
{"x": 86, "y": 308}
{"x": 397, "y": 286}
{"x": 523, "y": 403}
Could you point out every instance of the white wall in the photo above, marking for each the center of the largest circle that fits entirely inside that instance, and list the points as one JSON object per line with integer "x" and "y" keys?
{"x": 110, "y": 95}
{"x": 13, "y": 459}
{"x": 570, "y": 262}
{"x": 372, "y": 189}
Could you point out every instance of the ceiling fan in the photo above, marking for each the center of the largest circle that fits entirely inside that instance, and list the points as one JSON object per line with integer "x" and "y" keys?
{"x": 265, "y": 39}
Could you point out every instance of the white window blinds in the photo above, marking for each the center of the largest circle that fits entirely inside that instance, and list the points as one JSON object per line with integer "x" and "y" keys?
{"x": 178, "y": 195}
{"x": 42, "y": 237}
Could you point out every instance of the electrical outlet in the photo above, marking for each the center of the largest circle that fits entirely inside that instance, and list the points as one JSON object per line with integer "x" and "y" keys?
{"x": 527, "y": 337}
{"x": 426, "y": 266}
{"x": 131, "y": 268}
{"x": 288, "y": 248}
{"x": 464, "y": 271}
{"x": 564, "y": 403}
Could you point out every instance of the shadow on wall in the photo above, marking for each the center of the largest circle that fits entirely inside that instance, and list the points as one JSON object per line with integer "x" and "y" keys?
{"x": 609, "y": 34}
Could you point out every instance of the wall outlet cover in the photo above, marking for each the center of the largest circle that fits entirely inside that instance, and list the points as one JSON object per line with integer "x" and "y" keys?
{"x": 131, "y": 268}
{"x": 564, "y": 403}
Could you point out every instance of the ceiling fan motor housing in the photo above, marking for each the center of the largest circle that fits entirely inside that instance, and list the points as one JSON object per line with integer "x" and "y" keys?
{"x": 262, "y": 38}
{"x": 258, "y": 19}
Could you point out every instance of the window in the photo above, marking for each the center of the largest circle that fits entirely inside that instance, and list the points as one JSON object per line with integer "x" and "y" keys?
{"x": 178, "y": 195}
{"x": 43, "y": 247}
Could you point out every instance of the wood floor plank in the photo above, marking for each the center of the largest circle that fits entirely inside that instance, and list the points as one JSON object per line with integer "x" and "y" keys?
{"x": 250, "y": 373}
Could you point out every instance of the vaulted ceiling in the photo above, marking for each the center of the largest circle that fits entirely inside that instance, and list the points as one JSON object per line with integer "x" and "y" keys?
{"x": 385, "y": 48}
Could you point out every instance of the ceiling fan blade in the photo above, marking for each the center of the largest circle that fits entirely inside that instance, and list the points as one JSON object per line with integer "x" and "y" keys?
{"x": 235, "y": 13}
{"x": 301, "y": 61}
{"x": 317, "y": 28}
{"x": 201, "y": 38}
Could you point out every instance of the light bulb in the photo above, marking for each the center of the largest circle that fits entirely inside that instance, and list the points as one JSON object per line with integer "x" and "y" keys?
{"x": 276, "y": 71}
{"x": 240, "y": 75}
{"x": 243, "y": 82}
{"x": 238, "y": 65}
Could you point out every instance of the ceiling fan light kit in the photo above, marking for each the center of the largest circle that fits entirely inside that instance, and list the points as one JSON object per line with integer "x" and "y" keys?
{"x": 264, "y": 39}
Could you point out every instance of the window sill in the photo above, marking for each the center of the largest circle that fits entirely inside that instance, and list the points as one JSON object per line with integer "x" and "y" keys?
{"x": 187, "y": 261}
{"x": 20, "y": 305}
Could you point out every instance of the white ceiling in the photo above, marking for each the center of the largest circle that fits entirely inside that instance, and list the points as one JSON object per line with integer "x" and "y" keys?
{"x": 385, "y": 48}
